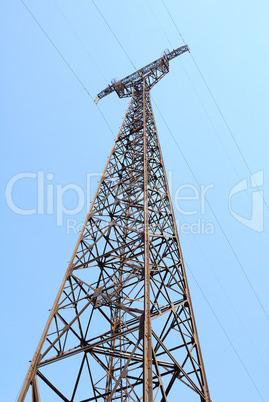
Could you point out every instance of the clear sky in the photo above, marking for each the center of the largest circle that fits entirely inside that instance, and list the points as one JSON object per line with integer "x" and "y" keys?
{"x": 55, "y": 139}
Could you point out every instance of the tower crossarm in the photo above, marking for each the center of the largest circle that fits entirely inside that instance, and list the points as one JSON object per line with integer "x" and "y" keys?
{"x": 152, "y": 73}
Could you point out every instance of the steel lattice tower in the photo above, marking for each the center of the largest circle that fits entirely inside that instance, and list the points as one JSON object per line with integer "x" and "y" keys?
{"x": 122, "y": 327}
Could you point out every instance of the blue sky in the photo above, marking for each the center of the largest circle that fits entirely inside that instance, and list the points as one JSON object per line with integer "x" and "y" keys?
{"x": 51, "y": 125}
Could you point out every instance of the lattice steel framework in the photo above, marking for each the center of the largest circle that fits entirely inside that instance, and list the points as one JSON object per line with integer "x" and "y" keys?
{"x": 122, "y": 327}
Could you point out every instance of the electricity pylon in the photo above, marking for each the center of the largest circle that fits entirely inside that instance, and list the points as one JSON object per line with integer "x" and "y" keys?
{"x": 122, "y": 327}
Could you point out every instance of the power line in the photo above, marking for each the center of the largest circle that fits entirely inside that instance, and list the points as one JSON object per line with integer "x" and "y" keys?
{"x": 105, "y": 120}
{"x": 217, "y": 220}
{"x": 200, "y": 100}
{"x": 158, "y": 22}
{"x": 85, "y": 49}
{"x": 217, "y": 106}
{"x": 57, "y": 50}
{"x": 228, "y": 241}
{"x": 174, "y": 22}
{"x": 113, "y": 34}
{"x": 80, "y": 41}
{"x": 68, "y": 65}
{"x": 228, "y": 127}
{"x": 227, "y": 297}
{"x": 226, "y": 334}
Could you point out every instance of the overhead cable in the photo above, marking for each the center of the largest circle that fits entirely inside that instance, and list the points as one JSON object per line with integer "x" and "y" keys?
{"x": 226, "y": 334}
{"x": 217, "y": 220}
{"x": 218, "y": 107}
{"x": 68, "y": 65}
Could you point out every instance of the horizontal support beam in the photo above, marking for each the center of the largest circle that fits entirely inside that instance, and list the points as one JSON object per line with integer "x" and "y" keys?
{"x": 143, "y": 73}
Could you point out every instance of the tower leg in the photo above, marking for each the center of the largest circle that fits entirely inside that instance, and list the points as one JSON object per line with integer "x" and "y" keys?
{"x": 147, "y": 386}
{"x": 35, "y": 391}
